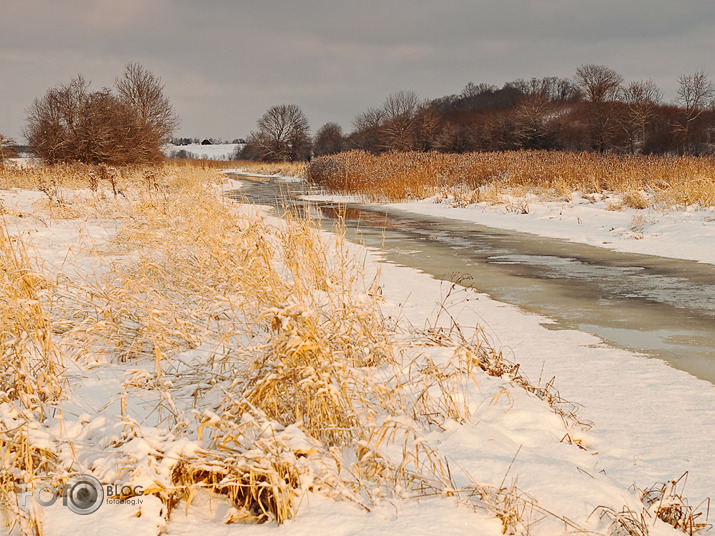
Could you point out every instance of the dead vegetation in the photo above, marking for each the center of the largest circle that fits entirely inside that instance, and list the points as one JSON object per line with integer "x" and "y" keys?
{"x": 31, "y": 378}
{"x": 663, "y": 502}
{"x": 475, "y": 177}
{"x": 262, "y": 347}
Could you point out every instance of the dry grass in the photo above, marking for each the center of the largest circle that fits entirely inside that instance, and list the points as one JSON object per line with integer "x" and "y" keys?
{"x": 660, "y": 502}
{"x": 31, "y": 377}
{"x": 474, "y": 177}
{"x": 30, "y": 370}
{"x": 298, "y": 382}
{"x": 666, "y": 502}
{"x": 293, "y": 169}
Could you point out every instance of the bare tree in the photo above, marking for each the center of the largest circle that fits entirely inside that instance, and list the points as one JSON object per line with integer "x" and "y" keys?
{"x": 402, "y": 123}
{"x": 400, "y": 120}
{"x": 54, "y": 121}
{"x": 144, "y": 92}
{"x": 532, "y": 120}
{"x": 641, "y": 99}
{"x": 696, "y": 94}
{"x": 282, "y": 135}
{"x": 600, "y": 85}
{"x": 70, "y": 122}
{"x": 366, "y": 134}
{"x": 406, "y": 123}
{"x": 329, "y": 139}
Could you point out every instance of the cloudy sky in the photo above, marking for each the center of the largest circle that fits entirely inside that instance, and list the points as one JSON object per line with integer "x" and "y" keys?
{"x": 224, "y": 62}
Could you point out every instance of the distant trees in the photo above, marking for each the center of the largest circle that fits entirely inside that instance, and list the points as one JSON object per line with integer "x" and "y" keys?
{"x": 600, "y": 85}
{"x": 366, "y": 134}
{"x": 407, "y": 123}
{"x": 282, "y": 135}
{"x": 641, "y": 100}
{"x": 7, "y": 148}
{"x": 329, "y": 140}
{"x": 533, "y": 122}
{"x": 595, "y": 110}
{"x": 696, "y": 94}
{"x": 71, "y": 122}
{"x": 402, "y": 123}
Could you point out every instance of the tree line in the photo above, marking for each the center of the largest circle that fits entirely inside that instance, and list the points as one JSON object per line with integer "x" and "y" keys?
{"x": 593, "y": 111}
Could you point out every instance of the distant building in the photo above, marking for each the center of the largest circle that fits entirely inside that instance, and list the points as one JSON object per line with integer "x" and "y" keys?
{"x": 206, "y": 142}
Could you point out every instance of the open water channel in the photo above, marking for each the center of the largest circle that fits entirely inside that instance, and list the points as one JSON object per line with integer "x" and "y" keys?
{"x": 661, "y": 307}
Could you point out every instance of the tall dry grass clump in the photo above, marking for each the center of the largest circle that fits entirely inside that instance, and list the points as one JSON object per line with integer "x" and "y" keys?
{"x": 31, "y": 378}
{"x": 30, "y": 371}
{"x": 671, "y": 180}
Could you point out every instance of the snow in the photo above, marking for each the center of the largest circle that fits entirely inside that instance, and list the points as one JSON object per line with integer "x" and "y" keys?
{"x": 651, "y": 423}
{"x": 677, "y": 233}
{"x": 645, "y": 428}
{"x": 593, "y": 219}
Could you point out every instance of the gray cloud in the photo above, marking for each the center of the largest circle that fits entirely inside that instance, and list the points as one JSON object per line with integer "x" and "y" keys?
{"x": 224, "y": 61}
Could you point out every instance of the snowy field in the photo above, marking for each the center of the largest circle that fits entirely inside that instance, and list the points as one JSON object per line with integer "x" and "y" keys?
{"x": 642, "y": 422}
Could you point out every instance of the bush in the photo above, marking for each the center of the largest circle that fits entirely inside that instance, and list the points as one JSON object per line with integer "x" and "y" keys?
{"x": 72, "y": 123}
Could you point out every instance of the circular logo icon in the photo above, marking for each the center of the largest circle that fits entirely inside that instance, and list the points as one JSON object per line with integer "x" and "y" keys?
{"x": 84, "y": 494}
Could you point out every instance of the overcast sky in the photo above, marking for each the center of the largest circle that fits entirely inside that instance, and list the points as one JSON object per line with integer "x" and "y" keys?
{"x": 224, "y": 62}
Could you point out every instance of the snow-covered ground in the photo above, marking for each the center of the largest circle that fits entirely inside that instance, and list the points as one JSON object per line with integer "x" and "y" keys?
{"x": 650, "y": 423}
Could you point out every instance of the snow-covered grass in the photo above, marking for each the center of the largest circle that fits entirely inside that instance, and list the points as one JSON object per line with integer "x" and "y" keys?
{"x": 243, "y": 368}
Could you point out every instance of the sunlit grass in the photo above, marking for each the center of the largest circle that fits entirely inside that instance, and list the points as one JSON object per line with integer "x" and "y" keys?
{"x": 301, "y": 383}
{"x": 470, "y": 178}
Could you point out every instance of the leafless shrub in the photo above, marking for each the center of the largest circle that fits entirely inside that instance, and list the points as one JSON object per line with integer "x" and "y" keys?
{"x": 72, "y": 123}
{"x": 7, "y": 149}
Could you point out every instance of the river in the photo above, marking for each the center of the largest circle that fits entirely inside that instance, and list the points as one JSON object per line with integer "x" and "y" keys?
{"x": 657, "y": 306}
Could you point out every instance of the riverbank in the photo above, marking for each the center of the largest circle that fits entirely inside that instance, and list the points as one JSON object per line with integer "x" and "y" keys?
{"x": 599, "y": 220}
{"x": 180, "y": 316}
{"x": 660, "y": 205}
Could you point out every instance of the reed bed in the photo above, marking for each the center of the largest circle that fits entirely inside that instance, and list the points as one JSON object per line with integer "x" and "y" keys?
{"x": 293, "y": 169}
{"x": 643, "y": 180}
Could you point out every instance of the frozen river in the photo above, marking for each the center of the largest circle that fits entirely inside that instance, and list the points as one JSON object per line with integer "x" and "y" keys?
{"x": 654, "y": 305}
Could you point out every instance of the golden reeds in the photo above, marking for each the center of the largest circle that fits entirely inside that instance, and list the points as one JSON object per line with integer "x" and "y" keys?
{"x": 667, "y": 180}
{"x": 31, "y": 377}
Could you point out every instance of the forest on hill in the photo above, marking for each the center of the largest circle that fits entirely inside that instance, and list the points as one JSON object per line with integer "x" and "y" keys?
{"x": 596, "y": 110}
